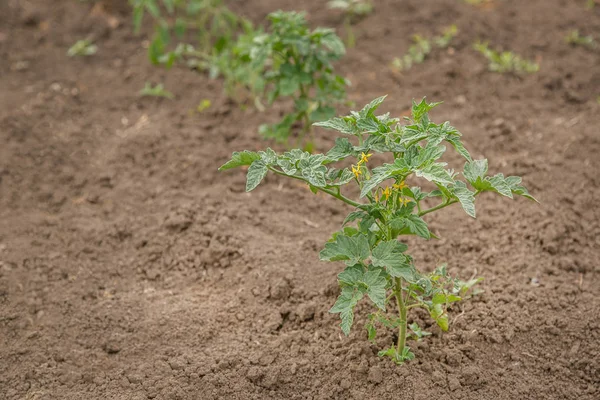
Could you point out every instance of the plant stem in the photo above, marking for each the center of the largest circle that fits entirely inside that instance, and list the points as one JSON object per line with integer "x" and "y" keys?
{"x": 442, "y": 205}
{"x": 402, "y": 311}
{"x": 439, "y": 206}
{"x": 338, "y": 196}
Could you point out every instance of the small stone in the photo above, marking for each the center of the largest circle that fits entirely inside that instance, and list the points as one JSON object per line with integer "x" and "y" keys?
{"x": 375, "y": 375}
{"x": 254, "y": 374}
{"x": 306, "y": 312}
{"x": 281, "y": 290}
{"x": 345, "y": 384}
{"x": 177, "y": 363}
{"x": 453, "y": 383}
{"x": 267, "y": 359}
{"x": 112, "y": 347}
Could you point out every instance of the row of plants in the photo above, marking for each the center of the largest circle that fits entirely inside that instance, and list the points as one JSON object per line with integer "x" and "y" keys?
{"x": 287, "y": 60}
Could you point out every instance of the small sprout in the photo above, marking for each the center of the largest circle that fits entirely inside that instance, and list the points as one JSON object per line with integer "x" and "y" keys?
{"x": 417, "y": 332}
{"x": 506, "y": 61}
{"x": 575, "y": 38}
{"x": 156, "y": 91}
{"x": 204, "y": 105}
{"x": 83, "y": 47}
{"x": 377, "y": 267}
{"x": 418, "y": 52}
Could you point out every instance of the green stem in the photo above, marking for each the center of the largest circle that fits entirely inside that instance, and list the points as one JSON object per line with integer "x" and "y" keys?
{"x": 442, "y": 205}
{"x": 438, "y": 207}
{"x": 402, "y": 311}
{"x": 330, "y": 192}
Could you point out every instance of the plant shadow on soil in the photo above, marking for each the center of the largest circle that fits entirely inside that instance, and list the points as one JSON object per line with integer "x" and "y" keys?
{"x": 130, "y": 268}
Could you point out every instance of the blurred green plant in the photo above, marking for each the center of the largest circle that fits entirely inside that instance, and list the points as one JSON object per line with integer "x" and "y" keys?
{"x": 84, "y": 47}
{"x": 155, "y": 91}
{"x": 296, "y": 63}
{"x": 575, "y": 38}
{"x": 353, "y": 10}
{"x": 506, "y": 61}
{"x": 418, "y": 52}
{"x": 221, "y": 47}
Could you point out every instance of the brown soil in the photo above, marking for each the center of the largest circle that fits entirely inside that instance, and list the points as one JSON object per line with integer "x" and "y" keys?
{"x": 130, "y": 268}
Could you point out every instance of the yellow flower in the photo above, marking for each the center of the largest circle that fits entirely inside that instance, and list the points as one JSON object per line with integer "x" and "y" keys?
{"x": 400, "y": 185}
{"x": 387, "y": 192}
{"x": 356, "y": 171}
{"x": 364, "y": 158}
{"x": 404, "y": 200}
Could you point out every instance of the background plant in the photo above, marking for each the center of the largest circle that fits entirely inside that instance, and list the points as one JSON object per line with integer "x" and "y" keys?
{"x": 221, "y": 45}
{"x": 575, "y": 38}
{"x": 84, "y": 47}
{"x": 505, "y": 61}
{"x": 155, "y": 91}
{"x": 378, "y": 267}
{"x": 297, "y": 63}
{"x": 353, "y": 10}
{"x": 213, "y": 24}
{"x": 422, "y": 47}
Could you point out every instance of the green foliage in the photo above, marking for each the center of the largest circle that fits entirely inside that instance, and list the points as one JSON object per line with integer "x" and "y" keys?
{"x": 377, "y": 266}
{"x": 222, "y": 40}
{"x": 82, "y": 47}
{"x": 418, "y": 52}
{"x": 297, "y": 63}
{"x": 353, "y": 10}
{"x": 506, "y": 61}
{"x": 155, "y": 91}
{"x": 575, "y": 38}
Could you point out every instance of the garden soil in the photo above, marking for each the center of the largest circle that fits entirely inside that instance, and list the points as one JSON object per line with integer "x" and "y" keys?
{"x": 130, "y": 268}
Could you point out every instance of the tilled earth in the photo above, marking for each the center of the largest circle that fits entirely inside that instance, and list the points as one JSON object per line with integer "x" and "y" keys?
{"x": 131, "y": 269}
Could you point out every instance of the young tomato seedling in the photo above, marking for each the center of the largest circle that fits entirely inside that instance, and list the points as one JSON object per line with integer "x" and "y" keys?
{"x": 506, "y": 61}
{"x": 297, "y": 63}
{"x": 378, "y": 266}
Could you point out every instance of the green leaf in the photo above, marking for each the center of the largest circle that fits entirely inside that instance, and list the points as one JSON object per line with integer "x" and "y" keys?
{"x": 418, "y": 226}
{"x": 419, "y": 110}
{"x": 466, "y": 199}
{"x": 352, "y": 275}
{"x": 459, "y": 147}
{"x": 389, "y": 254}
{"x": 368, "y": 124}
{"x": 353, "y": 249}
{"x": 376, "y": 284}
{"x": 256, "y": 173}
{"x": 240, "y": 158}
{"x": 500, "y": 185}
{"x": 475, "y": 172}
{"x": 514, "y": 184}
{"x": 435, "y": 173}
{"x": 313, "y": 170}
{"x": 342, "y": 149}
{"x": 343, "y": 125}
{"x": 372, "y": 106}
{"x": 344, "y": 305}
{"x": 371, "y": 331}
{"x": 353, "y": 216}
